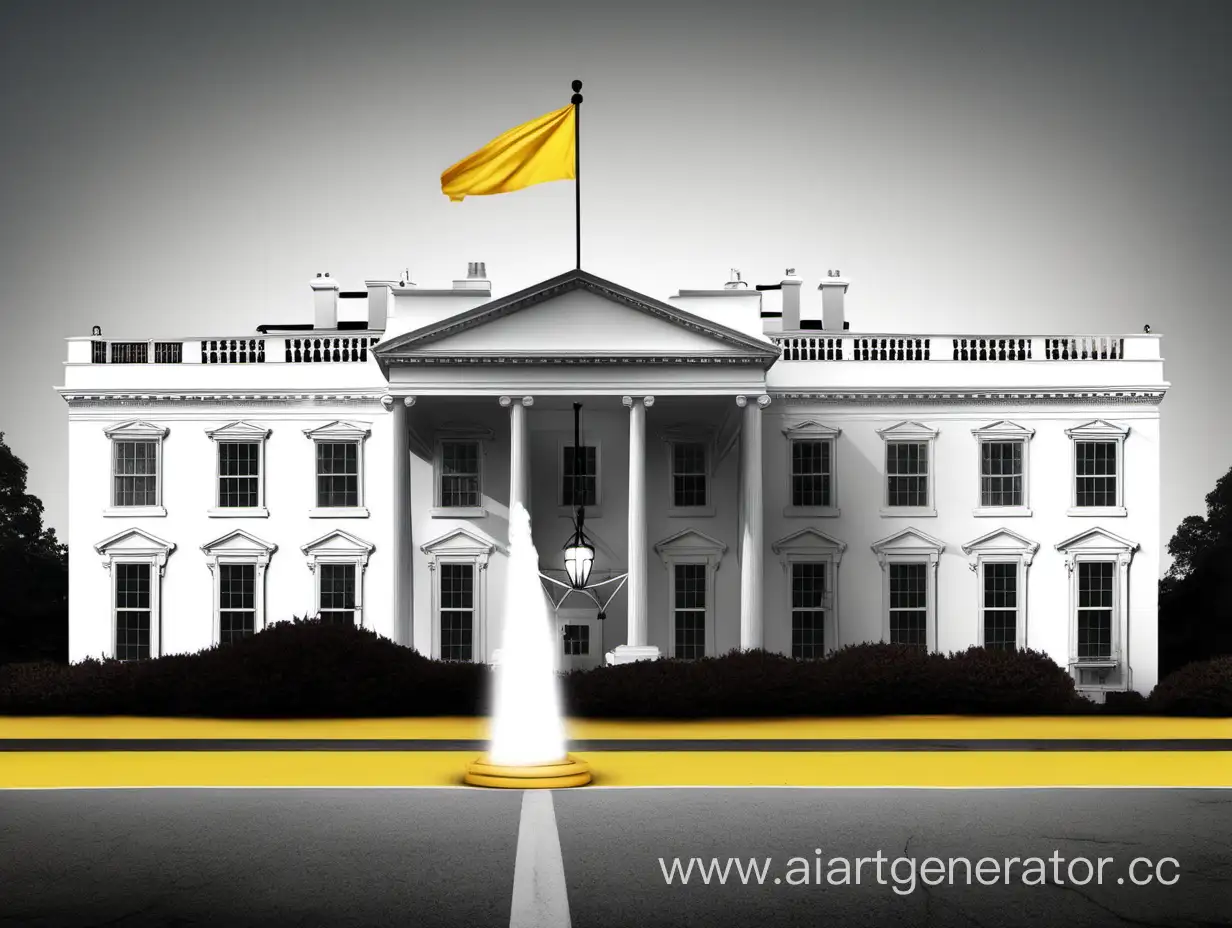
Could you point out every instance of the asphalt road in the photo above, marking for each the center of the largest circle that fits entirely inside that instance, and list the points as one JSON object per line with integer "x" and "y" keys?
{"x": 427, "y": 857}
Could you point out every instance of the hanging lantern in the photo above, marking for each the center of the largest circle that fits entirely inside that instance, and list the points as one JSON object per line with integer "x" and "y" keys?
{"x": 579, "y": 558}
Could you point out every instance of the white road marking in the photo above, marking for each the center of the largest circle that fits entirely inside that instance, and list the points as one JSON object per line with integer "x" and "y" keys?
{"x": 540, "y": 899}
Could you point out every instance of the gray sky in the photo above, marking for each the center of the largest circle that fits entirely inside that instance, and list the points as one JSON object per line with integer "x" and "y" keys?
{"x": 175, "y": 169}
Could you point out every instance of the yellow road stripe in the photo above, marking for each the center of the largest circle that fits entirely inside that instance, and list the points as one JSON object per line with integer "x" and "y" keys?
{"x": 623, "y": 768}
{"x": 887, "y": 727}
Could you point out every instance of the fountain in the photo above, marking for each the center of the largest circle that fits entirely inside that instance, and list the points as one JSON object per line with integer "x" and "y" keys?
{"x": 527, "y": 748}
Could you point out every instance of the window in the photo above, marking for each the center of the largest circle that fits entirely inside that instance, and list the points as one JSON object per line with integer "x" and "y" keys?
{"x": 812, "y": 488}
{"x": 692, "y": 558}
{"x": 1098, "y": 563}
{"x": 1001, "y": 606}
{"x": 238, "y": 561}
{"x": 909, "y": 604}
{"x": 458, "y": 561}
{"x": 241, "y": 464}
{"x": 459, "y": 474}
{"x": 338, "y": 561}
{"x": 909, "y": 470}
{"x": 909, "y": 561}
{"x": 576, "y": 640}
{"x": 237, "y": 610}
{"x": 337, "y": 594}
{"x": 339, "y": 470}
{"x": 808, "y": 613}
{"x": 1099, "y": 464}
{"x": 132, "y": 611}
{"x": 1003, "y": 471}
{"x": 136, "y": 469}
{"x": 578, "y": 485}
{"x": 689, "y": 611}
{"x": 1000, "y": 561}
{"x": 1095, "y": 610}
{"x": 689, "y": 475}
{"x": 337, "y": 474}
{"x": 810, "y": 560}
{"x": 135, "y": 560}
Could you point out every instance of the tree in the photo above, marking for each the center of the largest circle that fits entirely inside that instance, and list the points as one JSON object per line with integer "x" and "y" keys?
{"x": 33, "y": 572}
{"x": 1195, "y": 596}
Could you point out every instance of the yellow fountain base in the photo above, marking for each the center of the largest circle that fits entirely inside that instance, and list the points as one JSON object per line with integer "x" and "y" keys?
{"x": 568, "y": 772}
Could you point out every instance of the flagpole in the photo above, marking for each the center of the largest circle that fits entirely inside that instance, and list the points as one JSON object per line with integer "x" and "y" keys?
{"x": 577, "y": 167}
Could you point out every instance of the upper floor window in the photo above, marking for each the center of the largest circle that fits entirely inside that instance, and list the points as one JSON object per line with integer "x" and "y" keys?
{"x": 909, "y": 470}
{"x": 1099, "y": 465}
{"x": 136, "y": 469}
{"x": 240, "y": 489}
{"x": 812, "y": 488}
{"x": 1003, "y": 459}
{"x": 339, "y": 470}
{"x": 579, "y": 475}
{"x": 459, "y": 473}
{"x": 689, "y": 475}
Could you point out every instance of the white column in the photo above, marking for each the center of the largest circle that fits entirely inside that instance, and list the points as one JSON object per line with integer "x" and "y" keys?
{"x": 752, "y": 535}
{"x": 519, "y": 449}
{"x": 402, "y": 543}
{"x": 636, "y": 647}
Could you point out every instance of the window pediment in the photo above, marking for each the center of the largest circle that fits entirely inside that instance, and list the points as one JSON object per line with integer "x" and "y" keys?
{"x": 691, "y": 543}
{"x": 339, "y": 430}
{"x": 1098, "y": 429}
{"x": 810, "y": 541}
{"x": 136, "y": 429}
{"x": 1003, "y": 428}
{"x": 239, "y": 543}
{"x": 134, "y": 543}
{"x": 1002, "y": 541}
{"x": 908, "y": 430}
{"x": 810, "y": 428}
{"x": 909, "y": 542}
{"x": 238, "y": 431}
{"x": 1097, "y": 541}
{"x": 461, "y": 542}
{"x": 338, "y": 544}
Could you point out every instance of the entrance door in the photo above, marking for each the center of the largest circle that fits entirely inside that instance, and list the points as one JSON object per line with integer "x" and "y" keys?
{"x": 579, "y": 639}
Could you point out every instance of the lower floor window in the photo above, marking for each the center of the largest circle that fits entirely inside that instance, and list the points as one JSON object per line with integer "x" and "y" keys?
{"x": 1001, "y": 606}
{"x": 1095, "y": 609}
{"x": 909, "y": 604}
{"x": 457, "y": 612}
{"x": 808, "y": 616}
{"x": 337, "y": 593}
{"x": 133, "y": 613}
{"x": 577, "y": 640}
{"x": 237, "y": 610}
{"x": 689, "y": 610}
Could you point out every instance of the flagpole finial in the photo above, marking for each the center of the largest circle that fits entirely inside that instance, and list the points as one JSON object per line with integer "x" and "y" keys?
{"x": 577, "y": 97}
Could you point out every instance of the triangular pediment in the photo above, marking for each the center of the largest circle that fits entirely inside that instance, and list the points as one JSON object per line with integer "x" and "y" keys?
{"x": 460, "y": 542}
{"x": 1098, "y": 540}
{"x": 239, "y": 542}
{"x": 1001, "y": 541}
{"x": 136, "y": 428}
{"x": 238, "y": 431}
{"x": 1003, "y": 428}
{"x": 907, "y": 430}
{"x": 809, "y": 540}
{"x": 908, "y": 541}
{"x": 339, "y": 430}
{"x": 576, "y": 316}
{"x": 1098, "y": 428}
{"x": 690, "y": 543}
{"x": 134, "y": 541}
{"x": 810, "y": 428}
{"x": 338, "y": 543}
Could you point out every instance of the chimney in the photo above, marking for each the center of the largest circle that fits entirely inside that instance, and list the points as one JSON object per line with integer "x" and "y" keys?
{"x": 378, "y": 303}
{"x": 833, "y": 290}
{"x": 790, "y": 286}
{"x": 476, "y": 277}
{"x": 325, "y": 302}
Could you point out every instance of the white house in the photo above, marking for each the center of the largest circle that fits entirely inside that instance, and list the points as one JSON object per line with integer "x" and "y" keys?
{"x": 757, "y": 473}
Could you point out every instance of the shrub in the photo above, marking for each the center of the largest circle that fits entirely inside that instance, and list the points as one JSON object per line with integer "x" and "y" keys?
{"x": 1202, "y": 688}
{"x": 299, "y": 669}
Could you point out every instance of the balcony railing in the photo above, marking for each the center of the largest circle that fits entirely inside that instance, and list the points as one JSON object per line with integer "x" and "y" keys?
{"x": 315, "y": 349}
{"x": 800, "y": 347}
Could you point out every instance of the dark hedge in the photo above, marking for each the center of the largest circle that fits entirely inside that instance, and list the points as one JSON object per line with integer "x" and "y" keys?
{"x": 303, "y": 669}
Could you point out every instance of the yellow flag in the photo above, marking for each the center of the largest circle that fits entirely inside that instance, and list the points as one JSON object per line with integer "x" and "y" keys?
{"x": 532, "y": 153}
